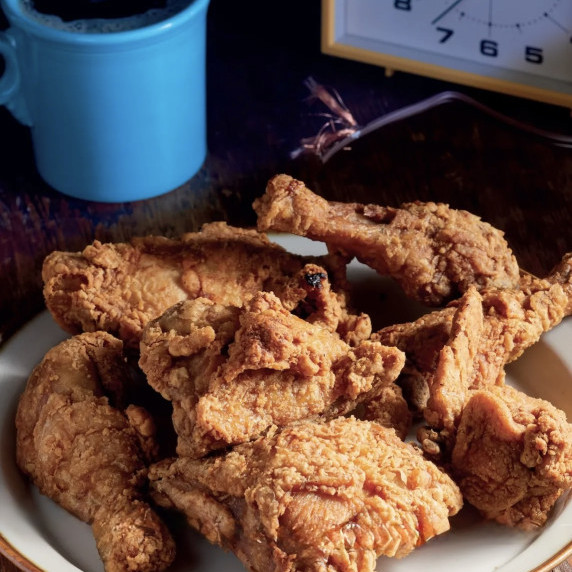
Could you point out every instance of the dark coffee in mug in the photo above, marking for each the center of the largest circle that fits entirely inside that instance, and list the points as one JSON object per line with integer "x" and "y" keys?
{"x": 69, "y": 10}
{"x": 101, "y": 16}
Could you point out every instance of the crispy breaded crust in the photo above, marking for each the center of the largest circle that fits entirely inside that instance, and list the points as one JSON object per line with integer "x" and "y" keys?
{"x": 313, "y": 496}
{"x": 82, "y": 452}
{"x": 434, "y": 252}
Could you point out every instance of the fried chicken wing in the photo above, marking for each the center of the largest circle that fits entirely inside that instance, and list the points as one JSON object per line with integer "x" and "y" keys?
{"x": 120, "y": 287}
{"x": 488, "y": 331}
{"x": 84, "y": 453}
{"x": 512, "y": 456}
{"x": 561, "y": 274}
{"x": 434, "y": 252}
{"x": 231, "y": 373}
{"x": 321, "y": 497}
{"x": 467, "y": 344}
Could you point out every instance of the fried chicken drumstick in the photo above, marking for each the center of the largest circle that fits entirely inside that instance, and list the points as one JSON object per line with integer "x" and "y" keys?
{"x": 119, "y": 287}
{"x": 231, "y": 373}
{"x": 314, "y": 496}
{"x": 89, "y": 456}
{"x": 434, "y": 252}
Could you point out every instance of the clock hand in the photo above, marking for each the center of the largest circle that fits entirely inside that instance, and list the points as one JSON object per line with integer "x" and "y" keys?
{"x": 446, "y": 11}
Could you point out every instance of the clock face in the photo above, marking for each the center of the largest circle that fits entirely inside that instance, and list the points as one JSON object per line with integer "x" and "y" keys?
{"x": 530, "y": 36}
{"x": 524, "y": 42}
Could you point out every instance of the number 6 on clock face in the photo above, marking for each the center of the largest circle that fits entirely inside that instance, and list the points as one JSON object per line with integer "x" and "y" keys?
{"x": 519, "y": 47}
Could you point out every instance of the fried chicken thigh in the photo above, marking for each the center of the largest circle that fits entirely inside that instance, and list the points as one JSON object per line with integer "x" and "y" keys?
{"x": 231, "y": 373}
{"x": 89, "y": 456}
{"x": 434, "y": 252}
{"x": 321, "y": 497}
{"x": 120, "y": 287}
{"x": 512, "y": 456}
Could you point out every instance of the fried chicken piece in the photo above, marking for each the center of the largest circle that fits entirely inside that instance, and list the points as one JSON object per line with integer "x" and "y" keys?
{"x": 231, "y": 373}
{"x": 421, "y": 341}
{"x": 467, "y": 344}
{"x": 488, "y": 331}
{"x": 457, "y": 372}
{"x": 120, "y": 287}
{"x": 390, "y": 409}
{"x": 434, "y": 252}
{"x": 512, "y": 456}
{"x": 83, "y": 453}
{"x": 561, "y": 274}
{"x": 310, "y": 296}
{"x": 313, "y": 496}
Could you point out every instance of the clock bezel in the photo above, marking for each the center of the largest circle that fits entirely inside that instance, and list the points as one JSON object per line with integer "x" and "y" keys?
{"x": 446, "y": 68}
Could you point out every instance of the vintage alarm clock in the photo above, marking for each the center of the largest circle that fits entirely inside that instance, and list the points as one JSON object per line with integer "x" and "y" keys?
{"x": 517, "y": 47}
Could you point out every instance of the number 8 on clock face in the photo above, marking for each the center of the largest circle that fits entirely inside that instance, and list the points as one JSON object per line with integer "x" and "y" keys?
{"x": 520, "y": 47}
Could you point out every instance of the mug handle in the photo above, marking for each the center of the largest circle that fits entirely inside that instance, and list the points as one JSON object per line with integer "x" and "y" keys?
{"x": 10, "y": 80}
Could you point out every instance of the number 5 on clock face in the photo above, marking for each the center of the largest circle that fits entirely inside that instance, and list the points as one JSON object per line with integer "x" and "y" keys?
{"x": 520, "y": 47}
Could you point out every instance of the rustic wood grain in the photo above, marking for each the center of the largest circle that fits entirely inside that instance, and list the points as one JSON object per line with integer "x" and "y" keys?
{"x": 6, "y": 566}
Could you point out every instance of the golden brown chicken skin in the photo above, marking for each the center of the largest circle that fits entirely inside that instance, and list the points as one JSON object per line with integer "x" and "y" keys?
{"x": 489, "y": 330}
{"x": 434, "y": 252}
{"x": 510, "y": 453}
{"x": 421, "y": 341}
{"x": 467, "y": 344}
{"x": 318, "y": 497}
{"x": 231, "y": 373}
{"x": 90, "y": 456}
{"x": 512, "y": 457}
{"x": 119, "y": 287}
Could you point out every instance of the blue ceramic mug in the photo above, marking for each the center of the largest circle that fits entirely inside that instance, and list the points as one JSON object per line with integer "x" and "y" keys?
{"x": 115, "y": 115}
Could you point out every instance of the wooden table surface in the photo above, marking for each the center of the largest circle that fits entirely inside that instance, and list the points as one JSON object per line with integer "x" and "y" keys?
{"x": 259, "y": 56}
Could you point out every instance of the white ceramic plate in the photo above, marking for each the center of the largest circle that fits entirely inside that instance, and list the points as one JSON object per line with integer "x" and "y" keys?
{"x": 39, "y": 535}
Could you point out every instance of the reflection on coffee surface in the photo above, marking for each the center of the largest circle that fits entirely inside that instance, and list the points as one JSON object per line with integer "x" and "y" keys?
{"x": 101, "y": 16}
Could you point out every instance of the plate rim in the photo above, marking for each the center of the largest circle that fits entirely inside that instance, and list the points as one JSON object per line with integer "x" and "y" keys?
{"x": 16, "y": 557}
